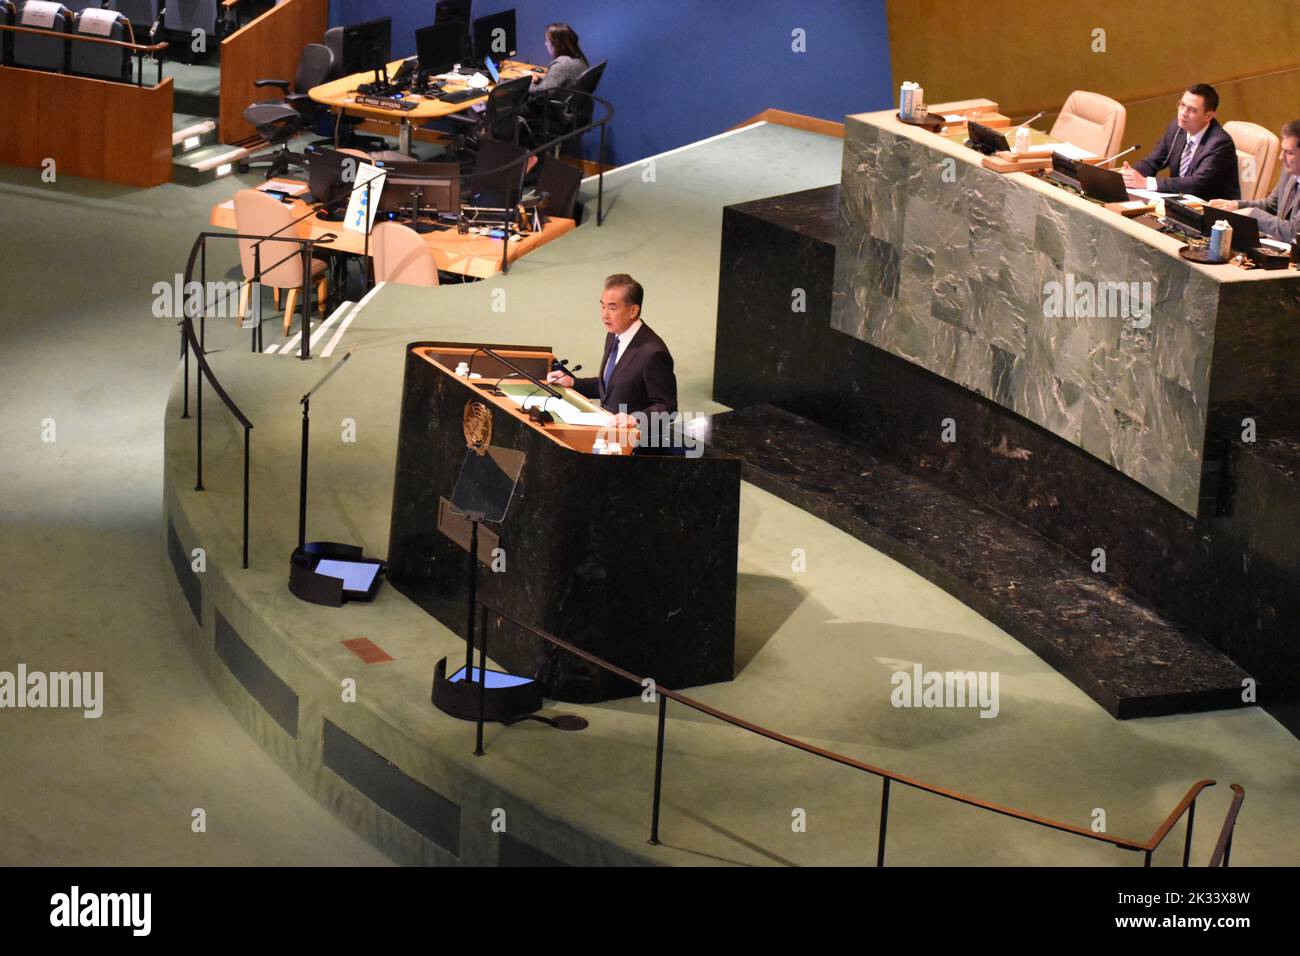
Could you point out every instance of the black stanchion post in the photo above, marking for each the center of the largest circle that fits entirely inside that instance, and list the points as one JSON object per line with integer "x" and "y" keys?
{"x": 247, "y": 433}
{"x": 302, "y": 477}
{"x": 884, "y": 822}
{"x": 255, "y": 293}
{"x": 304, "y": 348}
{"x": 659, "y": 770}
{"x": 473, "y": 598}
{"x": 185, "y": 355}
{"x": 600, "y": 179}
{"x": 482, "y": 687}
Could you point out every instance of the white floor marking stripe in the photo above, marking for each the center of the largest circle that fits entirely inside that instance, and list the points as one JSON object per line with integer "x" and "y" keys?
{"x": 343, "y": 326}
{"x": 701, "y": 142}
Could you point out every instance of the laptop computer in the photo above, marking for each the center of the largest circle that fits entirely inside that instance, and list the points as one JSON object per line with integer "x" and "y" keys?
{"x": 1104, "y": 185}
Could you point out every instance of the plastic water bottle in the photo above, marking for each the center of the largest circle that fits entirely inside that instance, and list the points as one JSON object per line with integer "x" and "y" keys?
{"x": 907, "y": 99}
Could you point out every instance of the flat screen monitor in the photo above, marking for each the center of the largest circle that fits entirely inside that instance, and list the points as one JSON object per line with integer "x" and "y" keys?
{"x": 495, "y": 36}
{"x": 367, "y": 46}
{"x": 438, "y": 47}
{"x": 435, "y": 185}
{"x": 325, "y": 180}
{"x": 1187, "y": 219}
{"x": 1105, "y": 185}
{"x": 456, "y": 12}
{"x": 985, "y": 139}
{"x": 1245, "y": 229}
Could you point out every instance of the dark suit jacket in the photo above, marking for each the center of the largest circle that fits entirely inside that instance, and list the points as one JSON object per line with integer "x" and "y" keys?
{"x": 1279, "y": 213}
{"x": 1213, "y": 174}
{"x": 643, "y": 379}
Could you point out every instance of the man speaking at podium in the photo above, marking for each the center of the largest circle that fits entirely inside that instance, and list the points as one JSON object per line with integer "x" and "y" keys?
{"x": 636, "y": 369}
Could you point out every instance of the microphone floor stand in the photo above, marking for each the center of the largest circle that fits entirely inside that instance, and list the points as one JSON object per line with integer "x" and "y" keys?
{"x": 472, "y": 604}
{"x": 302, "y": 476}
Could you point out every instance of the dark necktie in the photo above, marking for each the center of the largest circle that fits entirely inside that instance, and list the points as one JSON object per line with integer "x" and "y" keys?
{"x": 609, "y": 366}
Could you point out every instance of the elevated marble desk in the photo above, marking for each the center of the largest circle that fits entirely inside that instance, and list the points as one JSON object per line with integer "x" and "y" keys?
{"x": 947, "y": 265}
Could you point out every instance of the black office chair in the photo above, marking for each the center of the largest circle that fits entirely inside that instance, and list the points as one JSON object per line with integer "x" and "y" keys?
{"x": 278, "y": 121}
{"x": 496, "y": 190}
{"x": 558, "y": 183}
{"x": 567, "y": 109}
{"x": 501, "y": 119}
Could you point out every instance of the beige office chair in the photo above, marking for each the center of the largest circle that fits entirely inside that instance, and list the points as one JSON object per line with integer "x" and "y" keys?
{"x": 1092, "y": 122}
{"x": 260, "y": 214}
{"x": 1257, "y": 155}
{"x": 401, "y": 256}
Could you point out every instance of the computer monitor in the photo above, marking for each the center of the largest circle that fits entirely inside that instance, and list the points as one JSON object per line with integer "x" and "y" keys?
{"x": 456, "y": 12}
{"x": 367, "y": 46}
{"x": 325, "y": 180}
{"x": 1245, "y": 229}
{"x": 1105, "y": 185}
{"x": 438, "y": 47}
{"x": 495, "y": 36}
{"x": 421, "y": 190}
{"x": 1184, "y": 217}
{"x": 985, "y": 139}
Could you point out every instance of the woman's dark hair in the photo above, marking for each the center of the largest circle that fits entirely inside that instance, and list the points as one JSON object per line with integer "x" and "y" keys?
{"x": 564, "y": 41}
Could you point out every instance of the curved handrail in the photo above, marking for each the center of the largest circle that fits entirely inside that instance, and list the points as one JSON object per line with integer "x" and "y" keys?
{"x": 1223, "y": 848}
{"x": 82, "y": 38}
{"x": 1147, "y": 847}
{"x": 187, "y": 327}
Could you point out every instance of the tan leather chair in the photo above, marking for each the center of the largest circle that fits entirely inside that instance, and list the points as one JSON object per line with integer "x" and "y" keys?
{"x": 1258, "y": 150}
{"x": 1092, "y": 122}
{"x": 261, "y": 214}
{"x": 401, "y": 256}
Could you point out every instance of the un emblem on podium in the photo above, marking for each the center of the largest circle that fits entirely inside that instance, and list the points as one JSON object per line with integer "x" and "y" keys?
{"x": 478, "y": 426}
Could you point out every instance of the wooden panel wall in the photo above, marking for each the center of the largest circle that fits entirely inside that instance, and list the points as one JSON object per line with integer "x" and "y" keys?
{"x": 92, "y": 128}
{"x": 1029, "y": 56}
{"x": 266, "y": 48}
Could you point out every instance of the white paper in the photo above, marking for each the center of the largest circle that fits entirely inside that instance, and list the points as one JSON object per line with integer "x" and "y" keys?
{"x": 359, "y": 218}
{"x": 39, "y": 13}
{"x": 97, "y": 22}
{"x": 1274, "y": 244}
{"x": 1153, "y": 194}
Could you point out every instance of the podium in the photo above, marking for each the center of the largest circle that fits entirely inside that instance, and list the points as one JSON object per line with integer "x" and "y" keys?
{"x": 629, "y": 557}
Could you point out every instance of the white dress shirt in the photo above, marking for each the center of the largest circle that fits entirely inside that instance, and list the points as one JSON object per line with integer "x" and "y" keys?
{"x": 625, "y": 339}
{"x": 1195, "y": 140}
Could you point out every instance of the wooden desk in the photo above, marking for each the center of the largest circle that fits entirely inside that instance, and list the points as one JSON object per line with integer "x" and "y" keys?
{"x": 340, "y": 95}
{"x": 468, "y": 255}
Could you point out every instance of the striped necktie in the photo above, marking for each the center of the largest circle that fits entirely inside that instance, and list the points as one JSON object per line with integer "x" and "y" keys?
{"x": 1185, "y": 163}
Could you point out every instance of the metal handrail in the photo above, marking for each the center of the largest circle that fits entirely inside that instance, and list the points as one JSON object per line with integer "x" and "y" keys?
{"x": 1223, "y": 848}
{"x": 140, "y": 50}
{"x": 1147, "y": 847}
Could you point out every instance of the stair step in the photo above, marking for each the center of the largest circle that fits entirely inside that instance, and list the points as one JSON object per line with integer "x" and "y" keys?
{"x": 206, "y": 163}
{"x": 1119, "y": 652}
{"x": 194, "y": 135}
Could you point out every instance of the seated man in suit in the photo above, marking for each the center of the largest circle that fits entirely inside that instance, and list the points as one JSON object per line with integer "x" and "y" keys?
{"x": 1200, "y": 156}
{"x": 1279, "y": 214}
{"x": 636, "y": 370}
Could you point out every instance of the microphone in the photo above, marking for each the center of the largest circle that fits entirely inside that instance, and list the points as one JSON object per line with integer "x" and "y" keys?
{"x": 1031, "y": 119}
{"x": 1108, "y": 161}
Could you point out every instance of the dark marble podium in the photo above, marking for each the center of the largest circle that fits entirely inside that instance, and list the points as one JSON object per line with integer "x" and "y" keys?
{"x": 630, "y": 557}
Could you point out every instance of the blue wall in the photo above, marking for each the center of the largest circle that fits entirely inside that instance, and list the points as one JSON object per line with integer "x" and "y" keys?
{"x": 683, "y": 70}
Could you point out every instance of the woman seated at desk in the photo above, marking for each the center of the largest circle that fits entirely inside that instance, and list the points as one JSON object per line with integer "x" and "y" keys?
{"x": 567, "y": 60}
{"x": 567, "y": 64}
